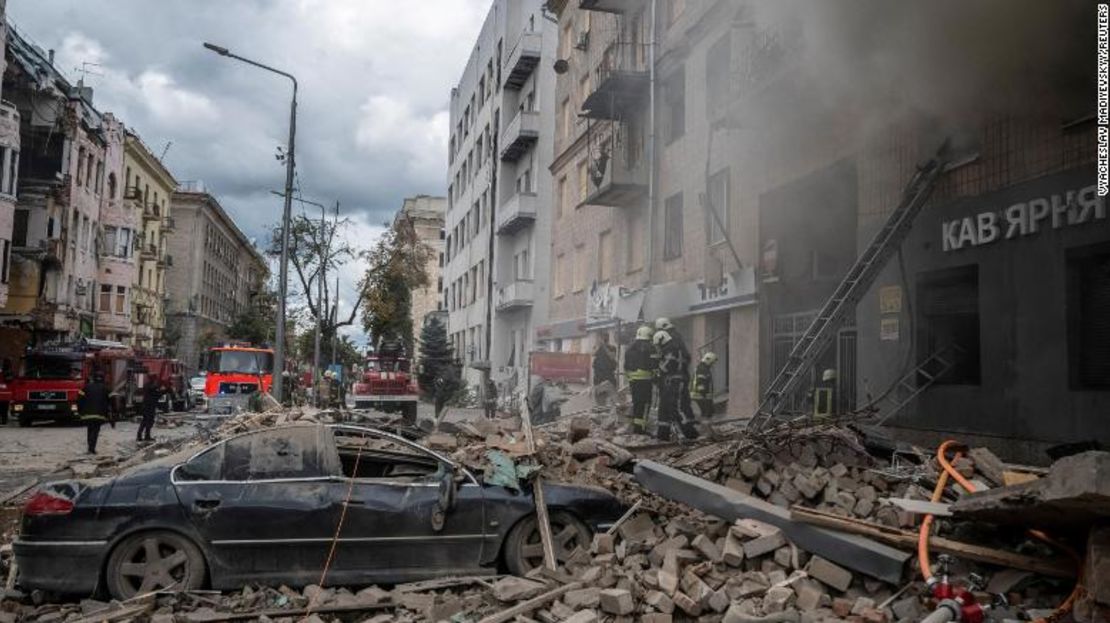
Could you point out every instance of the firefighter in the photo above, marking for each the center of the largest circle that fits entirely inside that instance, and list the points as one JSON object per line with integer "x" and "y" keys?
{"x": 684, "y": 405}
{"x": 673, "y": 372}
{"x": 702, "y": 389}
{"x": 639, "y": 368}
{"x": 95, "y": 408}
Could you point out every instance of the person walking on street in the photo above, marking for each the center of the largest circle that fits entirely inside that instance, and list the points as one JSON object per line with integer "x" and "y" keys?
{"x": 702, "y": 389}
{"x": 639, "y": 369}
{"x": 95, "y": 408}
{"x": 491, "y": 399}
{"x": 151, "y": 395}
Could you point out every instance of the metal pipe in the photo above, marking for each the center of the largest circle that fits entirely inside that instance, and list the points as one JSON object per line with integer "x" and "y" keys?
{"x": 651, "y": 147}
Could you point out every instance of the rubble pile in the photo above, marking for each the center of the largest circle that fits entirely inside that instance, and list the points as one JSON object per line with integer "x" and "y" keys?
{"x": 761, "y": 530}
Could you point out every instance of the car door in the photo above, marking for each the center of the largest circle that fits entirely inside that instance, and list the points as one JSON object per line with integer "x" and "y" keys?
{"x": 394, "y": 489}
{"x": 260, "y": 502}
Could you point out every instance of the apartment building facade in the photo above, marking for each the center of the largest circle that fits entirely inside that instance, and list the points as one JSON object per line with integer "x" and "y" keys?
{"x": 55, "y": 243}
{"x": 424, "y": 213}
{"x": 117, "y": 252}
{"x": 9, "y": 173}
{"x": 150, "y": 187}
{"x": 498, "y": 200}
{"x": 216, "y": 273}
{"x": 636, "y": 171}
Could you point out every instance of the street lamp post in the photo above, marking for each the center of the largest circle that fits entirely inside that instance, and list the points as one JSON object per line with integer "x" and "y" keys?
{"x": 283, "y": 268}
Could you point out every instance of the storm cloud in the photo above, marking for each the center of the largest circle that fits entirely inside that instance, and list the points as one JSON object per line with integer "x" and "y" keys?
{"x": 374, "y": 76}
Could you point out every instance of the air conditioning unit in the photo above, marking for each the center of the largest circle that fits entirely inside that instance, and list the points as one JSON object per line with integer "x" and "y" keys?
{"x": 583, "y": 40}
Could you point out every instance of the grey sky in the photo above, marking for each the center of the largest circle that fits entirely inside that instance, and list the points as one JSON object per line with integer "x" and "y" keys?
{"x": 375, "y": 79}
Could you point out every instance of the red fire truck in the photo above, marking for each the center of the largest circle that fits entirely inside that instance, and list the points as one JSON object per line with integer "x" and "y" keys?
{"x": 234, "y": 372}
{"x": 387, "y": 384}
{"x": 169, "y": 374}
{"x": 50, "y": 378}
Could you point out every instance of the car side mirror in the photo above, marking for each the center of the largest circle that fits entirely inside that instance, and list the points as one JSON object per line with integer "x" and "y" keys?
{"x": 446, "y": 501}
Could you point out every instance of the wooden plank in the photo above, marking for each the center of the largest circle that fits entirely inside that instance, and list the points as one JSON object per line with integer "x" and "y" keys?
{"x": 544, "y": 523}
{"x": 904, "y": 539}
{"x": 922, "y": 507}
{"x": 625, "y": 517}
{"x": 532, "y": 604}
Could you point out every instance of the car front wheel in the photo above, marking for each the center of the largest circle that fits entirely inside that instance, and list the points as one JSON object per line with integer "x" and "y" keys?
{"x": 151, "y": 561}
{"x": 524, "y": 548}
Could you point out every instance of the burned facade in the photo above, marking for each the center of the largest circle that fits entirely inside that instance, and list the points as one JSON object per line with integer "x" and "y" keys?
{"x": 714, "y": 164}
{"x": 64, "y": 144}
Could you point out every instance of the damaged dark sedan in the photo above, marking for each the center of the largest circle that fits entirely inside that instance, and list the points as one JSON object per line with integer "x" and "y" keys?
{"x": 267, "y": 507}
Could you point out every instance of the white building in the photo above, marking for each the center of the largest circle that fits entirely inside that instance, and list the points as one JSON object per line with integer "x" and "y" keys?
{"x": 499, "y": 191}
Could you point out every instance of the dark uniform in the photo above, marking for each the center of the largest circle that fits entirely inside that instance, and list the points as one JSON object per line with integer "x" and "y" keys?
{"x": 702, "y": 390}
{"x": 674, "y": 374}
{"x": 639, "y": 368}
{"x": 685, "y": 408}
{"x": 151, "y": 394}
{"x": 95, "y": 407}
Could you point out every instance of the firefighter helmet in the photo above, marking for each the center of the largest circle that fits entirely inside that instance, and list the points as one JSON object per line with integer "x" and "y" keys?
{"x": 709, "y": 358}
{"x": 661, "y": 337}
{"x": 663, "y": 324}
{"x": 644, "y": 333}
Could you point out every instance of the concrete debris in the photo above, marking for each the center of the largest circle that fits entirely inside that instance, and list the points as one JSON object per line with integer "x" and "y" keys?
{"x": 712, "y": 537}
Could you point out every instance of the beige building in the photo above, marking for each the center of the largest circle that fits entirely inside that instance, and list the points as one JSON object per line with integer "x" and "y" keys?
{"x": 425, "y": 213}
{"x": 149, "y": 188}
{"x": 9, "y": 168}
{"x": 215, "y": 275}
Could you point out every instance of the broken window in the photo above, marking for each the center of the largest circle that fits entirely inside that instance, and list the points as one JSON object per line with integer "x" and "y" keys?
{"x": 672, "y": 227}
{"x": 718, "y": 204}
{"x": 1088, "y": 313}
{"x": 364, "y": 455}
{"x": 948, "y": 320}
{"x": 270, "y": 454}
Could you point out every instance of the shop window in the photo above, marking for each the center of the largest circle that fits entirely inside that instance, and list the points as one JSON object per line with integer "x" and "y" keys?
{"x": 1088, "y": 313}
{"x": 672, "y": 224}
{"x": 948, "y": 320}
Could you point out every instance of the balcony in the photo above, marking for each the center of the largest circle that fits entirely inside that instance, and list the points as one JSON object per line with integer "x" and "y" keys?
{"x": 522, "y": 60}
{"x": 522, "y": 133}
{"x": 610, "y": 6}
{"x": 151, "y": 212}
{"x": 168, "y": 224}
{"x": 148, "y": 252}
{"x": 622, "y": 82}
{"x": 516, "y": 295}
{"x": 618, "y": 178}
{"x": 516, "y": 213}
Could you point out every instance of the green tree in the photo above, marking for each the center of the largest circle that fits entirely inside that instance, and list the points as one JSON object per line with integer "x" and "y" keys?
{"x": 436, "y": 354}
{"x": 397, "y": 266}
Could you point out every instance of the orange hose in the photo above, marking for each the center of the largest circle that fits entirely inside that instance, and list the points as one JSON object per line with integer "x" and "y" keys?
{"x": 1060, "y": 610}
{"x": 927, "y": 523}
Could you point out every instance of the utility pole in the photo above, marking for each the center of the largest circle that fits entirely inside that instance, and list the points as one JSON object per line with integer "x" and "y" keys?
{"x": 283, "y": 268}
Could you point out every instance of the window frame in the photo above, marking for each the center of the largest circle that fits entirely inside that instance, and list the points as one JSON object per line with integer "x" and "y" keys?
{"x": 672, "y": 234}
